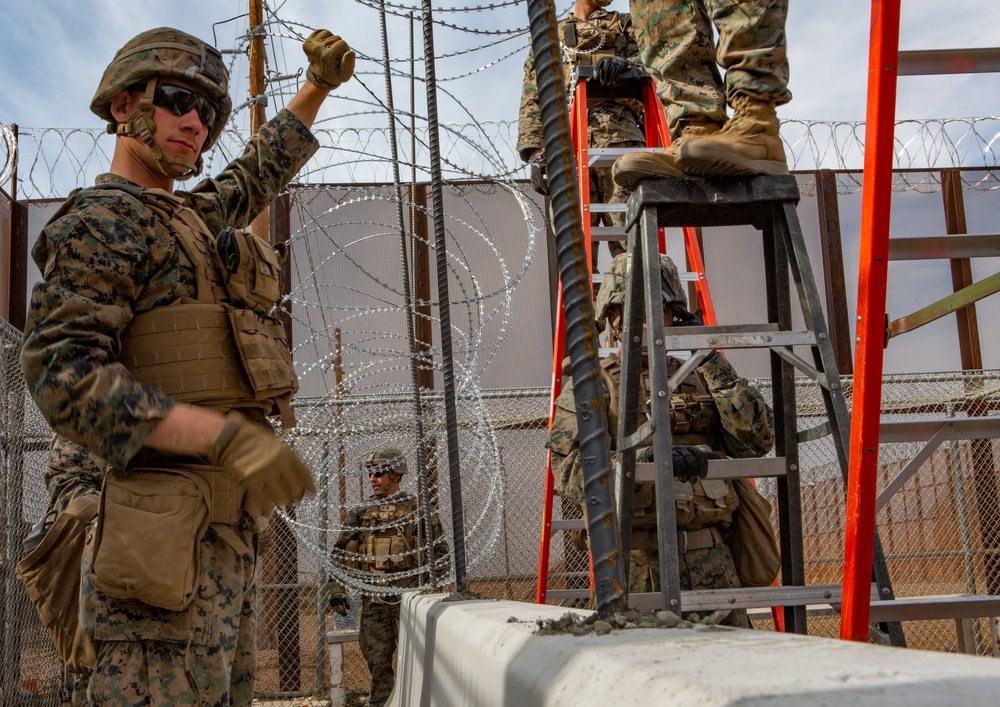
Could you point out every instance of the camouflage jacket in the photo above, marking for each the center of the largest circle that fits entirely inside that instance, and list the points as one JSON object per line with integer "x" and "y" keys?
{"x": 743, "y": 426}
{"x": 609, "y": 122}
{"x": 392, "y": 517}
{"x": 105, "y": 257}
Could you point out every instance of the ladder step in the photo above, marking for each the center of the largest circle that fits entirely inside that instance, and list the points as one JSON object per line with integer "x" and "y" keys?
{"x": 608, "y": 233}
{"x": 751, "y": 468}
{"x": 571, "y": 524}
{"x": 569, "y": 594}
{"x": 739, "y": 336}
{"x": 605, "y": 156}
{"x": 598, "y": 208}
{"x": 746, "y": 597}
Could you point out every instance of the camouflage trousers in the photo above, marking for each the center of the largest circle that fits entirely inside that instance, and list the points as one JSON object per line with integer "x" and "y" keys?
{"x": 705, "y": 568}
{"x": 378, "y": 637}
{"x": 204, "y": 655}
{"x": 676, "y": 45}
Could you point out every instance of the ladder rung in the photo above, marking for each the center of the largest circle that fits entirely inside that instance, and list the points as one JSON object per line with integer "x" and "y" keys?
{"x": 752, "y": 468}
{"x": 608, "y": 233}
{"x": 570, "y": 524}
{"x": 735, "y": 337}
{"x": 569, "y": 594}
{"x": 746, "y": 597}
{"x": 596, "y": 208}
{"x": 605, "y": 156}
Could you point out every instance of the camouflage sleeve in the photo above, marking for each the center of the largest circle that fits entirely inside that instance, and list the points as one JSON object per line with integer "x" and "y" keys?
{"x": 95, "y": 261}
{"x": 71, "y": 471}
{"x": 351, "y": 530}
{"x": 237, "y": 195}
{"x": 631, "y": 51}
{"x": 529, "y": 118}
{"x": 747, "y": 419}
{"x": 564, "y": 442}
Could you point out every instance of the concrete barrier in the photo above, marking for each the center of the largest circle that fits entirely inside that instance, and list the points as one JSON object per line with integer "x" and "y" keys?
{"x": 487, "y": 653}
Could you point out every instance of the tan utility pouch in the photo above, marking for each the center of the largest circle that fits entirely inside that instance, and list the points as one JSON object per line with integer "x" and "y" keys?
{"x": 51, "y": 574}
{"x": 250, "y": 270}
{"x": 266, "y": 359}
{"x": 148, "y": 540}
{"x": 755, "y": 551}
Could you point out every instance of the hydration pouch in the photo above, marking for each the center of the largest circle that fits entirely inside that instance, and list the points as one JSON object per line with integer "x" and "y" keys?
{"x": 250, "y": 270}
{"x": 51, "y": 573}
{"x": 148, "y": 539}
{"x": 755, "y": 551}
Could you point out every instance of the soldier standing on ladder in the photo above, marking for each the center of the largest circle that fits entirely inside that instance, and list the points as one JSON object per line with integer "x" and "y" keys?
{"x": 714, "y": 412}
{"x": 677, "y": 47}
{"x": 590, "y": 36}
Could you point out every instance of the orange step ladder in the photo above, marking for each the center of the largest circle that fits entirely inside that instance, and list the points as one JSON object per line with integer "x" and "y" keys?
{"x": 635, "y": 83}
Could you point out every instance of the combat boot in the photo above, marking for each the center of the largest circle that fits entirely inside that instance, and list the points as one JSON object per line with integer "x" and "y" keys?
{"x": 662, "y": 164}
{"x": 748, "y": 144}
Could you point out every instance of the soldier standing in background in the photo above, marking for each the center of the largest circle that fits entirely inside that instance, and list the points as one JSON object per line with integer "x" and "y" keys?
{"x": 590, "y": 36}
{"x": 679, "y": 51}
{"x": 382, "y": 537}
{"x": 714, "y": 413}
{"x": 168, "y": 595}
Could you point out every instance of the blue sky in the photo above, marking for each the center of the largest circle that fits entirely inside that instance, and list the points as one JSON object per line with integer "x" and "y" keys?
{"x": 52, "y": 54}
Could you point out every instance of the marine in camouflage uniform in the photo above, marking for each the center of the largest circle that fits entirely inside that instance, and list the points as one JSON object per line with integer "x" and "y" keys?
{"x": 382, "y": 538}
{"x": 587, "y": 35}
{"x": 679, "y": 51}
{"x": 712, "y": 406}
{"x": 108, "y": 257}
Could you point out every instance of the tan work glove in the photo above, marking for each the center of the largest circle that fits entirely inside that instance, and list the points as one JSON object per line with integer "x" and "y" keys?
{"x": 331, "y": 61}
{"x": 271, "y": 472}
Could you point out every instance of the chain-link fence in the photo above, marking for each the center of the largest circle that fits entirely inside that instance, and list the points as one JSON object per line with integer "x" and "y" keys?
{"x": 941, "y": 532}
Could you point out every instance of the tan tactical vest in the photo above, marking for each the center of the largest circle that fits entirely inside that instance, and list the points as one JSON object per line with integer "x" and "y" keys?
{"x": 693, "y": 415}
{"x": 208, "y": 351}
{"x": 389, "y": 545}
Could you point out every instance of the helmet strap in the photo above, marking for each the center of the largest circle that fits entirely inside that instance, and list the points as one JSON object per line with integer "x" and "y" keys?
{"x": 142, "y": 126}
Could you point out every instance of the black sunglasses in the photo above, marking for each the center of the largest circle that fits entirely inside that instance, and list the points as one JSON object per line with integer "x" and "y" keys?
{"x": 378, "y": 473}
{"x": 180, "y": 101}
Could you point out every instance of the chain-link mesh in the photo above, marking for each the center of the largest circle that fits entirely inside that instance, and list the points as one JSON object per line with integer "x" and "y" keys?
{"x": 941, "y": 532}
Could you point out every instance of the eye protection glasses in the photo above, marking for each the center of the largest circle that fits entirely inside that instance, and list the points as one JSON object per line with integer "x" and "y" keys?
{"x": 180, "y": 101}
{"x": 378, "y": 473}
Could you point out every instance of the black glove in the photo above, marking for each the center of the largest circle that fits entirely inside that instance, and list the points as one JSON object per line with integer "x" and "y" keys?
{"x": 691, "y": 463}
{"x": 682, "y": 317}
{"x": 539, "y": 182}
{"x": 339, "y": 603}
{"x": 609, "y": 69}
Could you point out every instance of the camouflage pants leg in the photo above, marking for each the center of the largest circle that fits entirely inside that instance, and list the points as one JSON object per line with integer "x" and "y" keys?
{"x": 378, "y": 636}
{"x": 707, "y": 568}
{"x": 676, "y": 44}
{"x": 204, "y": 655}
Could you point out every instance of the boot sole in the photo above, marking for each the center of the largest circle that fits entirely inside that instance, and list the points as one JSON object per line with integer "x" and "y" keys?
{"x": 628, "y": 174}
{"x": 718, "y": 161}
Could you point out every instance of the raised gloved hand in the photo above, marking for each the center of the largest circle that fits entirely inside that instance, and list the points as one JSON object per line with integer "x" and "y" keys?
{"x": 331, "y": 60}
{"x": 271, "y": 472}
{"x": 609, "y": 69}
{"x": 682, "y": 317}
{"x": 539, "y": 182}
{"x": 339, "y": 603}
{"x": 690, "y": 463}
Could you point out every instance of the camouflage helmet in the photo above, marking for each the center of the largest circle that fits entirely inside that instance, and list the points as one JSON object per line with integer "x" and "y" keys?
{"x": 612, "y": 290}
{"x": 171, "y": 53}
{"x": 387, "y": 457}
